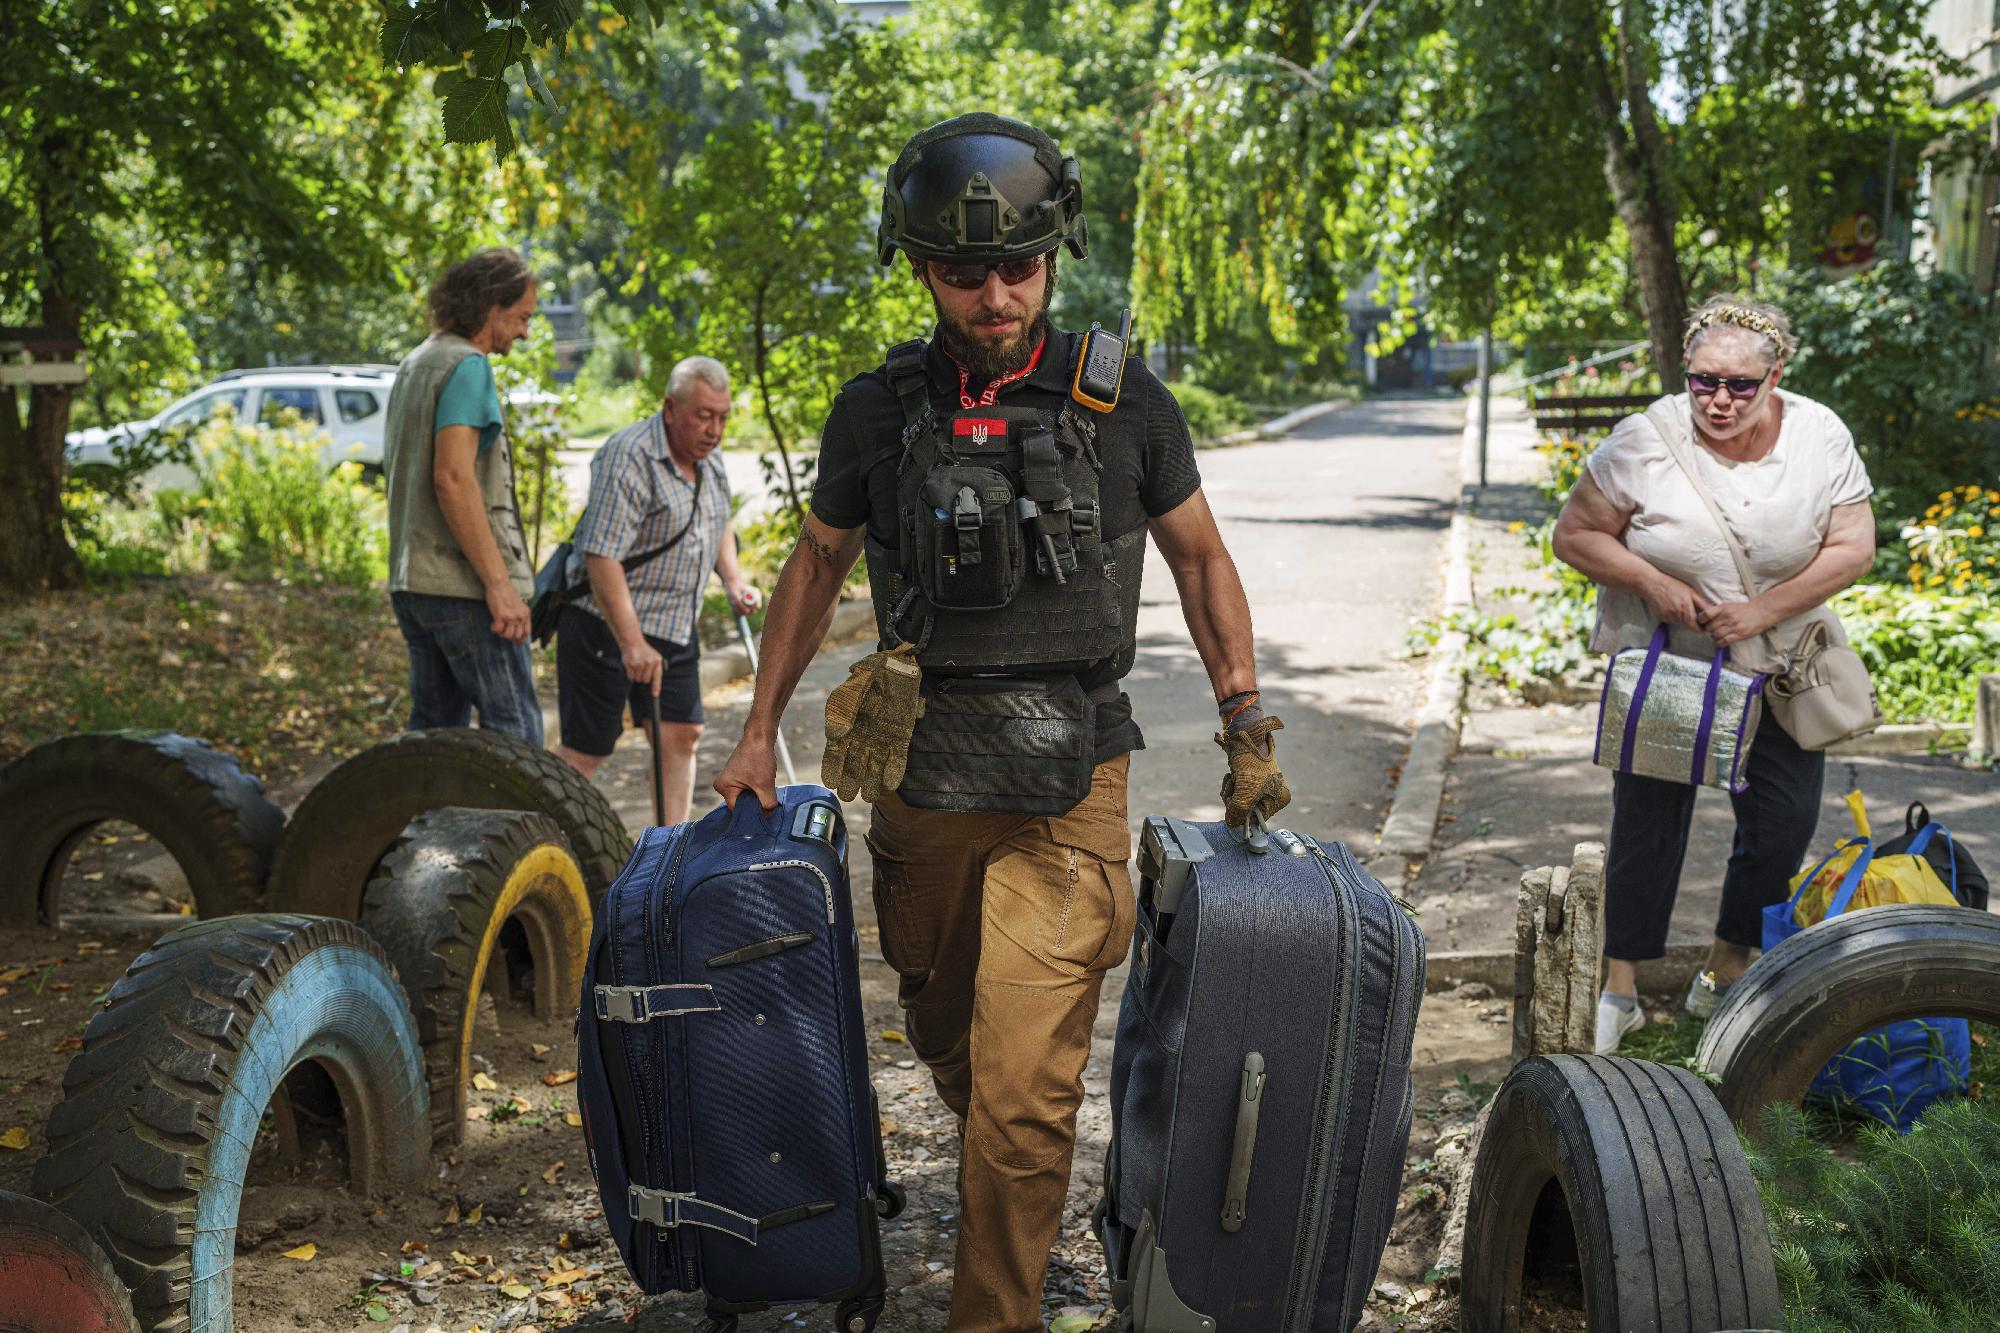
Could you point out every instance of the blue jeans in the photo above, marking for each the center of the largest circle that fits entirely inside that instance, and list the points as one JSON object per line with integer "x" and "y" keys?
{"x": 457, "y": 664}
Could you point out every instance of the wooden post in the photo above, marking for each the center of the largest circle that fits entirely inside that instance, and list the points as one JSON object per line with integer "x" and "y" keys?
{"x": 1986, "y": 719}
{"x": 1558, "y": 940}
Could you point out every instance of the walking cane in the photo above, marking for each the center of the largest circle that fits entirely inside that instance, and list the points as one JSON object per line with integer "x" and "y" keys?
{"x": 750, "y": 647}
{"x": 659, "y": 795}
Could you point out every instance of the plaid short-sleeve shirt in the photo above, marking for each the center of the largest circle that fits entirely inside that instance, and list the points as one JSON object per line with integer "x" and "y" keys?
{"x": 639, "y": 500}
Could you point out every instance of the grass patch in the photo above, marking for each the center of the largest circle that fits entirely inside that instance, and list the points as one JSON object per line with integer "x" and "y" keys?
{"x": 273, "y": 672}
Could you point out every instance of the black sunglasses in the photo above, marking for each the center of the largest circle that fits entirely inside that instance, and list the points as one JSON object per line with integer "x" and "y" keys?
{"x": 971, "y": 277}
{"x": 1739, "y": 386}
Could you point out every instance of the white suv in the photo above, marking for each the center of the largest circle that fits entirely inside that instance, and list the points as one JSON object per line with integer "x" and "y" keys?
{"x": 345, "y": 402}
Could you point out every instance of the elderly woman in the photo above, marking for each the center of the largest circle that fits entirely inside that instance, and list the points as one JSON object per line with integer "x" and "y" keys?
{"x": 1784, "y": 471}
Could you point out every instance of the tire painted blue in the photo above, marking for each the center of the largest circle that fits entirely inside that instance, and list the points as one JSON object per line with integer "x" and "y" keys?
{"x": 343, "y": 1008}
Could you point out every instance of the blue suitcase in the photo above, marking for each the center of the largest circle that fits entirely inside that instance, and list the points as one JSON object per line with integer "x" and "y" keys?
{"x": 723, "y": 1066}
{"x": 1260, "y": 1085}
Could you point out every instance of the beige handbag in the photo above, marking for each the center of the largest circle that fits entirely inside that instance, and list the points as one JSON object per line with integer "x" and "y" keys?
{"x": 1820, "y": 693}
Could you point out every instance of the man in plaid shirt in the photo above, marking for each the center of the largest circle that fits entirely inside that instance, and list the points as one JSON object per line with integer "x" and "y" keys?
{"x": 658, "y": 483}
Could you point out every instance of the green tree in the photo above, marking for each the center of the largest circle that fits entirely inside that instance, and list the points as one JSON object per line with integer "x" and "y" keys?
{"x": 1483, "y": 161}
{"x": 171, "y": 152}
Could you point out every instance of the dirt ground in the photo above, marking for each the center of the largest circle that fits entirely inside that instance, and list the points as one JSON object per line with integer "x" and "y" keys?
{"x": 508, "y": 1234}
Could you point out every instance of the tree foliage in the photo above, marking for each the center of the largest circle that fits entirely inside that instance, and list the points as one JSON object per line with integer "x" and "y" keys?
{"x": 1486, "y": 165}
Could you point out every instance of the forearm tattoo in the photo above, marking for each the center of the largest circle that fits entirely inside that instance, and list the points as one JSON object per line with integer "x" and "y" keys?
{"x": 817, "y": 547}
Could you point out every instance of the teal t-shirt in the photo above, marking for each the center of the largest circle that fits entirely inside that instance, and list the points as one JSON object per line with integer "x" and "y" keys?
{"x": 469, "y": 399}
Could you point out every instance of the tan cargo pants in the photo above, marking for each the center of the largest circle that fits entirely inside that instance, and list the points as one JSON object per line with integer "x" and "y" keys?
{"x": 1002, "y": 928}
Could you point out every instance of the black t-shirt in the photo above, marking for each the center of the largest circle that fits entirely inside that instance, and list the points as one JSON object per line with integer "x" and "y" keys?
{"x": 1144, "y": 445}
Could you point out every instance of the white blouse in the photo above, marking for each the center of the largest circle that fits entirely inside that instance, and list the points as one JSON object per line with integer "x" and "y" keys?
{"x": 1778, "y": 507}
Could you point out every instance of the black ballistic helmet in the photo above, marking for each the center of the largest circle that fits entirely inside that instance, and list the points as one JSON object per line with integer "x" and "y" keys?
{"x": 981, "y": 189}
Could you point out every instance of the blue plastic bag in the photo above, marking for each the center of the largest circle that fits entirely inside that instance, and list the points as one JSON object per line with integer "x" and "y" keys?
{"x": 1895, "y": 1072}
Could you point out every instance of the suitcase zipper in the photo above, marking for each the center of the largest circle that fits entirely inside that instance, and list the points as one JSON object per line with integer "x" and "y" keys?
{"x": 678, "y": 1254}
{"x": 1372, "y": 1195}
{"x": 825, "y": 883}
{"x": 1338, "y": 1068}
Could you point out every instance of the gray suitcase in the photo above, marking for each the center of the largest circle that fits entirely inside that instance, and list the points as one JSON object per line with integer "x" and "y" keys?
{"x": 1260, "y": 1085}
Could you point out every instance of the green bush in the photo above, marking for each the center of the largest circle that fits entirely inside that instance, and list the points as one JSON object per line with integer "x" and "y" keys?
{"x": 266, "y": 505}
{"x": 1210, "y": 415}
{"x": 1925, "y": 650}
{"x": 1903, "y": 354}
{"x": 1902, "y": 1232}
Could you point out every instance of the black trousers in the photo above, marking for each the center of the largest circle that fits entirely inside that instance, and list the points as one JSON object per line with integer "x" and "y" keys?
{"x": 1776, "y": 816}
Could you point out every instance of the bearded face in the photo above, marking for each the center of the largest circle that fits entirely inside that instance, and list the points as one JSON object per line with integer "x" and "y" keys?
{"x": 993, "y": 331}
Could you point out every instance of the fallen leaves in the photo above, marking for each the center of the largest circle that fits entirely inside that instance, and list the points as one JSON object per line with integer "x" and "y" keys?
{"x": 516, "y": 1290}
{"x": 560, "y": 1077}
{"x": 15, "y": 1139}
{"x": 477, "y": 1215}
{"x": 484, "y": 1082}
{"x": 549, "y": 1176}
{"x": 890, "y": 1034}
{"x": 572, "y": 1119}
{"x": 304, "y": 1253}
{"x": 567, "y": 1277}
{"x": 538, "y": 1050}
{"x": 69, "y": 1044}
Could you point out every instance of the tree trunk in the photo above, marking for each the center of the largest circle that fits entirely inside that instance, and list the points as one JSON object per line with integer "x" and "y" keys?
{"x": 35, "y": 553}
{"x": 1635, "y": 166}
{"x": 759, "y": 360}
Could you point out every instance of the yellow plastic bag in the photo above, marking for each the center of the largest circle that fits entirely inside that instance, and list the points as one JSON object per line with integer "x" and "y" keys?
{"x": 1888, "y": 879}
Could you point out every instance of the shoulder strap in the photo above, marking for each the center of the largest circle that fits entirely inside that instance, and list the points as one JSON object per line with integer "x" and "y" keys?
{"x": 632, "y": 562}
{"x": 1666, "y": 420}
{"x": 905, "y": 364}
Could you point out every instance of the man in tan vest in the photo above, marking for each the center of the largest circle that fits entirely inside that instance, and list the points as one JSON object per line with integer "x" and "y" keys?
{"x": 458, "y": 564}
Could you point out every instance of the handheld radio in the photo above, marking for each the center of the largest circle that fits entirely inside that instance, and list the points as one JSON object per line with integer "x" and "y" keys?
{"x": 1100, "y": 370}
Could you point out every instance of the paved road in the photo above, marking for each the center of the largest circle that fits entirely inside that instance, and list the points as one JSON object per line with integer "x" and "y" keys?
{"x": 1337, "y": 531}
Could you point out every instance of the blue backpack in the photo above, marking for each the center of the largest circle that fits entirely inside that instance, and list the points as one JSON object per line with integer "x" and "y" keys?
{"x": 1895, "y": 1072}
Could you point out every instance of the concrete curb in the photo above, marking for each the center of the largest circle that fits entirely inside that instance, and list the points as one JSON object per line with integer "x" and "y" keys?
{"x": 1413, "y": 811}
{"x": 1907, "y": 738}
{"x": 1284, "y": 425}
{"x": 723, "y": 665}
{"x": 1668, "y": 975}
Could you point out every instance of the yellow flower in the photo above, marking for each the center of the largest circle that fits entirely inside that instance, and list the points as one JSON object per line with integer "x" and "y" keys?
{"x": 1962, "y": 566}
{"x": 1934, "y": 580}
{"x": 1975, "y": 531}
{"x": 1944, "y": 495}
{"x": 1993, "y": 497}
{"x": 1916, "y": 573}
{"x": 1948, "y": 511}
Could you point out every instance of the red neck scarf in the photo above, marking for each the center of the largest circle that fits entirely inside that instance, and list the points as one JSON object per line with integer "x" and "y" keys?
{"x": 991, "y": 393}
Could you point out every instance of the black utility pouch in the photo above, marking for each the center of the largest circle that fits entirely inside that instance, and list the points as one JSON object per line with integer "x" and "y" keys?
{"x": 1007, "y": 744}
{"x": 968, "y": 539}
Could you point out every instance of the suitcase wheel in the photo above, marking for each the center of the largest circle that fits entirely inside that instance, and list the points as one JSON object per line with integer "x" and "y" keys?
{"x": 858, "y": 1316}
{"x": 890, "y": 1202}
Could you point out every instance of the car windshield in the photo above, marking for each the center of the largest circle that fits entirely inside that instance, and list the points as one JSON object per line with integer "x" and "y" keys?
{"x": 273, "y": 407}
{"x": 197, "y": 410}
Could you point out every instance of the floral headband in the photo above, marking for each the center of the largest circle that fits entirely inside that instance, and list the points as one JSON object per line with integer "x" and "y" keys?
{"x": 1741, "y": 316}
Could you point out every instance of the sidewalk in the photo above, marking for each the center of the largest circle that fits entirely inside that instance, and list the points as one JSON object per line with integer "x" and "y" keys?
{"x": 1521, "y": 790}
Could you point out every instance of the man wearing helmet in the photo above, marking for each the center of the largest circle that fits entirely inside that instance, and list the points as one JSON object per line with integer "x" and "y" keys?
{"x": 1001, "y": 480}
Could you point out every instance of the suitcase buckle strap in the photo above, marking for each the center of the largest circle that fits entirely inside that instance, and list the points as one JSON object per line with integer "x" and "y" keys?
{"x": 643, "y": 1004}
{"x": 669, "y": 1208}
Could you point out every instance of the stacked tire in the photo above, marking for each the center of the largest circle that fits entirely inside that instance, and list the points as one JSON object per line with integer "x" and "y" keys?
{"x": 150, "y": 1146}
{"x": 1625, "y": 1178}
{"x": 442, "y": 902}
{"x": 1820, "y": 989}
{"x": 194, "y": 800}
{"x": 351, "y": 819}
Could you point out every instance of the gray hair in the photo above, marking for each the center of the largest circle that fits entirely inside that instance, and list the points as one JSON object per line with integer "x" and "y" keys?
{"x": 1759, "y": 318}
{"x": 689, "y": 369}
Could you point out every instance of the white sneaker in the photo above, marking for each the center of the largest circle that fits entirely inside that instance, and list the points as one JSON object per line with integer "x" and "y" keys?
{"x": 1613, "y": 1023}
{"x": 1704, "y": 993}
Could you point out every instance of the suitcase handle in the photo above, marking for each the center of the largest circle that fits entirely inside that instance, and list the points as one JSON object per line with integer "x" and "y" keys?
{"x": 1236, "y": 1189}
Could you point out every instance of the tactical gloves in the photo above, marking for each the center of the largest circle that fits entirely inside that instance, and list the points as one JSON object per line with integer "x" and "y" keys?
{"x": 1254, "y": 784}
{"x": 869, "y": 718}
